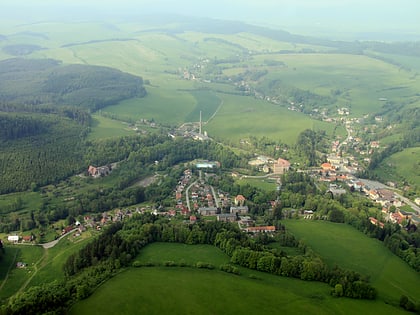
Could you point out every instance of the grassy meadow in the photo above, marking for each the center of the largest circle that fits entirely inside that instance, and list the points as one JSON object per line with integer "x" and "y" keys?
{"x": 103, "y": 127}
{"x": 346, "y": 247}
{"x": 160, "y": 252}
{"x": 176, "y": 290}
{"x": 402, "y": 166}
{"x": 16, "y": 279}
{"x": 241, "y": 117}
{"x": 42, "y": 265}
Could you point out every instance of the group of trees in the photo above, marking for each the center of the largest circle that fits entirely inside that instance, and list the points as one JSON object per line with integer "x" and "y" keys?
{"x": 38, "y": 148}
{"x": 37, "y": 81}
{"x": 121, "y": 242}
{"x": 309, "y": 145}
{"x": 138, "y": 155}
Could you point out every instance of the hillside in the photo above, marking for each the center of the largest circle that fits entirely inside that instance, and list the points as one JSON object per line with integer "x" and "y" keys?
{"x": 47, "y": 81}
{"x": 37, "y": 149}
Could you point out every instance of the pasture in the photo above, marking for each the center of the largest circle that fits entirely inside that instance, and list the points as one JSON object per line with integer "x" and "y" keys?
{"x": 401, "y": 166}
{"x": 241, "y": 117}
{"x": 189, "y": 254}
{"x": 362, "y": 80}
{"x": 103, "y": 127}
{"x": 165, "y": 106}
{"x": 42, "y": 265}
{"x": 13, "y": 278}
{"x": 176, "y": 290}
{"x": 342, "y": 245}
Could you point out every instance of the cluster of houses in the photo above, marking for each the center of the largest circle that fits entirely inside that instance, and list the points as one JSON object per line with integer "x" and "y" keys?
{"x": 15, "y": 239}
{"x": 207, "y": 203}
{"x": 336, "y": 170}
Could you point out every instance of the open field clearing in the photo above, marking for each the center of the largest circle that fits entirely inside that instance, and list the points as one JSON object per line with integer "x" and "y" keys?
{"x": 344, "y": 246}
{"x": 241, "y": 117}
{"x": 162, "y": 290}
{"x": 103, "y": 127}
{"x": 162, "y": 105}
{"x": 188, "y": 254}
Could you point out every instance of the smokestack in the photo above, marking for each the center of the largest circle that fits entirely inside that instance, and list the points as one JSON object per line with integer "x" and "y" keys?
{"x": 200, "y": 123}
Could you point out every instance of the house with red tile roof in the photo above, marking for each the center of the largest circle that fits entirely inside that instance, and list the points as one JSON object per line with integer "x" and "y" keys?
{"x": 239, "y": 200}
{"x": 374, "y": 221}
{"x": 281, "y": 167}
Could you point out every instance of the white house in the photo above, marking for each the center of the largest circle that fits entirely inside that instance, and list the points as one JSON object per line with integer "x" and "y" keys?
{"x": 13, "y": 238}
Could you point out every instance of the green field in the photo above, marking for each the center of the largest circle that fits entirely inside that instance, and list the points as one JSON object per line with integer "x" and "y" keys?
{"x": 264, "y": 184}
{"x": 51, "y": 267}
{"x": 17, "y": 278}
{"x": 241, "y": 117}
{"x": 161, "y": 252}
{"x": 346, "y": 247}
{"x": 175, "y": 290}
{"x": 401, "y": 167}
{"x": 42, "y": 265}
{"x": 162, "y": 57}
{"x": 103, "y": 127}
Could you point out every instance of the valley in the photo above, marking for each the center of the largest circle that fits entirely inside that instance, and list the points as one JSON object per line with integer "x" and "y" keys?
{"x": 217, "y": 140}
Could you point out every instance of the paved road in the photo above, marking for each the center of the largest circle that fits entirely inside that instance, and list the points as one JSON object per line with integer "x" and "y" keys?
{"x": 187, "y": 196}
{"x": 53, "y": 243}
{"x": 377, "y": 185}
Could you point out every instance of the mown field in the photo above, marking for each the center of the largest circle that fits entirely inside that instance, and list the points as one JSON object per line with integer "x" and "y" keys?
{"x": 176, "y": 290}
{"x": 346, "y": 247}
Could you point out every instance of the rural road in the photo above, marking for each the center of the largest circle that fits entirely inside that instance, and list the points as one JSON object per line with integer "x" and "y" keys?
{"x": 377, "y": 185}
{"x": 53, "y": 243}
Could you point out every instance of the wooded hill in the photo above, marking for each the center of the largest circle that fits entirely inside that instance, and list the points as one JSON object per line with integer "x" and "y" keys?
{"x": 37, "y": 149}
{"x": 33, "y": 81}
{"x": 44, "y": 117}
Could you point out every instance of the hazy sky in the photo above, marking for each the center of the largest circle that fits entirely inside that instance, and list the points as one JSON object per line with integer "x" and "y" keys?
{"x": 346, "y": 15}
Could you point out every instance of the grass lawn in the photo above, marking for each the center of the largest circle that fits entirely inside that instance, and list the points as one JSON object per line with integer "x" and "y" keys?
{"x": 342, "y": 245}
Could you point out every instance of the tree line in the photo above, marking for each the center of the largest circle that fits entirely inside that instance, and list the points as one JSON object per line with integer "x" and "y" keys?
{"x": 121, "y": 242}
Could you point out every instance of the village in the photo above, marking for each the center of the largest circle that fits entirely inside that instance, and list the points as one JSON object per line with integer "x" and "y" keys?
{"x": 194, "y": 199}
